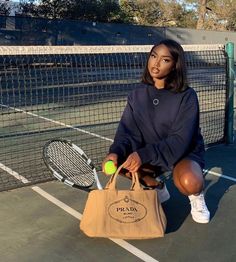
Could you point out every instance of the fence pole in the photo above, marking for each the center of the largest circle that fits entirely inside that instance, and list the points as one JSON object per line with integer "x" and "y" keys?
{"x": 230, "y": 93}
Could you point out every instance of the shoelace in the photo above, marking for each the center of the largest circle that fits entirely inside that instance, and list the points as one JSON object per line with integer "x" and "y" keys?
{"x": 198, "y": 203}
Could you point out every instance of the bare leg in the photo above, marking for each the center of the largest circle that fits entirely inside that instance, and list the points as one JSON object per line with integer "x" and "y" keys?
{"x": 188, "y": 177}
{"x": 146, "y": 175}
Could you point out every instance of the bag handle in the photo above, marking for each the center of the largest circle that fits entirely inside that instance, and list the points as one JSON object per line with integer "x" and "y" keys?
{"x": 111, "y": 184}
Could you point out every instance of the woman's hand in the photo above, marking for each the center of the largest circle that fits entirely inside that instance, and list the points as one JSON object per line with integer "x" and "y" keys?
{"x": 133, "y": 162}
{"x": 113, "y": 157}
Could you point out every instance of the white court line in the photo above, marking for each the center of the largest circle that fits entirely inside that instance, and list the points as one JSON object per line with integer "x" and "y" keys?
{"x": 57, "y": 122}
{"x": 130, "y": 248}
{"x": 86, "y": 132}
{"x": 219, "y": 175}
{"x": 15, "y": 174}
{"x": 122, "y": 243}
{"x": 93, "y": 134}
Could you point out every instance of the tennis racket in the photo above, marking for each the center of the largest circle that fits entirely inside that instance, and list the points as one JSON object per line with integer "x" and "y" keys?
{"x": 69, "y": 164}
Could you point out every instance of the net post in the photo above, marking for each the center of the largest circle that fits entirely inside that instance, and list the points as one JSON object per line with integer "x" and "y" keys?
{"x": 229, "y": 48}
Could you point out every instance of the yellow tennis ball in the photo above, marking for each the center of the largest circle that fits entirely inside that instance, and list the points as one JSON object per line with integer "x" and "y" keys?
{"x": 109, "y": 167}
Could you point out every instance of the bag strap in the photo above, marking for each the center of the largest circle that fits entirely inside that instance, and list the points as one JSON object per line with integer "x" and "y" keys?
{"x": 111, "y": 184}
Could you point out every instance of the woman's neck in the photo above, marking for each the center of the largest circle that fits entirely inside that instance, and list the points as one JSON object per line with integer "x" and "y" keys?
{"x": 159, "y": 84}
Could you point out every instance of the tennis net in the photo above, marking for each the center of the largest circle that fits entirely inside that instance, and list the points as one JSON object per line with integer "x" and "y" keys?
{"x": 79, "y": 92}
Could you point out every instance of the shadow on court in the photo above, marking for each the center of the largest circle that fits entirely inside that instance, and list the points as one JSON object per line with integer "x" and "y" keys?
{"x": 33, "y": 228}
{"x": 219, "y": 160}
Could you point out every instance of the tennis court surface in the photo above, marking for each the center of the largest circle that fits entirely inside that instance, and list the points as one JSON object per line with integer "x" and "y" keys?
{"x": 79, "y": 95}
{"x": 41, "y": 223}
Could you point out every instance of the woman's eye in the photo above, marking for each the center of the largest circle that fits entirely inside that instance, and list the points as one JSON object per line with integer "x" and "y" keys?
{"x": 166, "y": 60}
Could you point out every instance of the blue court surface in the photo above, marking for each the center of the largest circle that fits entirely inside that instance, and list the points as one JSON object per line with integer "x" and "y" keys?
{"x": 41, "y": 223}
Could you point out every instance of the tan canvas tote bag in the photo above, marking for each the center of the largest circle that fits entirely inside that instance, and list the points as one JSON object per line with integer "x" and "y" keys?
{"x": 126, "y": 214}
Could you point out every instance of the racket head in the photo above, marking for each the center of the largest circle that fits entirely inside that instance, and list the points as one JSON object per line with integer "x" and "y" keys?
{"x": 68, "y": 163}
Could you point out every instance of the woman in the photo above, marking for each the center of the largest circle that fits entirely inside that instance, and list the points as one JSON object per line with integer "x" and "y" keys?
{"x": 159, "y": 129}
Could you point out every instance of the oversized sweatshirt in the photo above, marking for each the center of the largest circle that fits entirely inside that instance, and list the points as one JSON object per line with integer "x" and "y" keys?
{"x": 161, "y": 126}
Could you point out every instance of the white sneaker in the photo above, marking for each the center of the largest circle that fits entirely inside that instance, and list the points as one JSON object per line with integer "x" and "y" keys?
{"x": 163, "y": 193}
{"x": 199, "y": 210}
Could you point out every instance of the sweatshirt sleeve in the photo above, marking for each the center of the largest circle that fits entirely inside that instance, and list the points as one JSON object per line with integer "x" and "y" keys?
{"x": 169, "y": 150}
{"x": 128, "y": 136}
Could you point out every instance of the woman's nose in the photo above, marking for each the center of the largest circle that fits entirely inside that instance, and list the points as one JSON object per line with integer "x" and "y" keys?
{"x": 157, "y": 62}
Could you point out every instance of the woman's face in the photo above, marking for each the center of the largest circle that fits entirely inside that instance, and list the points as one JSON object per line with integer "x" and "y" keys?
{"x": 160, "y": 62}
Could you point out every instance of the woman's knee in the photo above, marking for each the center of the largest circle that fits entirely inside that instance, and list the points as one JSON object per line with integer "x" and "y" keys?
{"x": 188, "y": 177}
{"x": 191, "y": 183}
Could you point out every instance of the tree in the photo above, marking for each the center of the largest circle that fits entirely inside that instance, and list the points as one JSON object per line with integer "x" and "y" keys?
{"x": 45, "y": 8}
{"x": 222, "y": 15}
{"x": 176, "y": 14}
{"x": 214, "y": 15}
{"x": 93, "y": 10}
{"x": 201, "y": 14}
{"x": 5, "y": 8}
{"x": 153, "y": 12}
{"x": 232, "y": 21}
{"x": 158, "y": 13}
{"x": 147, "y": 12}
{"x": 109, "y": 11}
{"x": 127, "y": 11}
{"x": 188, "y": 19}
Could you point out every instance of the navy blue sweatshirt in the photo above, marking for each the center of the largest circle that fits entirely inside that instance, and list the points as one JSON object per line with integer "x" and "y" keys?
{"x": 161, "y": 126}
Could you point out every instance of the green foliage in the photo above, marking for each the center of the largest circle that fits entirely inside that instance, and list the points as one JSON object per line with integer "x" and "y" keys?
{"x": 188, "y": 19}
{"x": 46, "y": 8}
{"x": 231, "y": 25}
{"x": 92, "y": 10}
{"x": 206, "y": 14}
{"x": 146, "y": 12}
{"x": 4, "y": 8}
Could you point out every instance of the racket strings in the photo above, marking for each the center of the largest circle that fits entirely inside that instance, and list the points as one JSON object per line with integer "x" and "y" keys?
{"x": 78, "y": 173}
{"x": 70, "y": 163}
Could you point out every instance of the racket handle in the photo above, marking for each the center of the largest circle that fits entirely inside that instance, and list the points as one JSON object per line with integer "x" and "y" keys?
{"x": 99, "y": 186}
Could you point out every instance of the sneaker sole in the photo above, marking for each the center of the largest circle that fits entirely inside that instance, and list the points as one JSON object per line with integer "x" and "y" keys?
{"x": 200, "y": 221}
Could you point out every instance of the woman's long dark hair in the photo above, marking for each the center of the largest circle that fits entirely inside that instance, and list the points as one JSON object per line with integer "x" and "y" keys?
{"x": 176, "y": 80}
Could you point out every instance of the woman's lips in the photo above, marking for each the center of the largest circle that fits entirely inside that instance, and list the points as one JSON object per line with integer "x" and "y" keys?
{"x": 155, "y": 70}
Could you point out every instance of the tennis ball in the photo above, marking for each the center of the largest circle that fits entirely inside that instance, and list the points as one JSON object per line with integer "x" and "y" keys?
{"x": 109, "y": 167}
